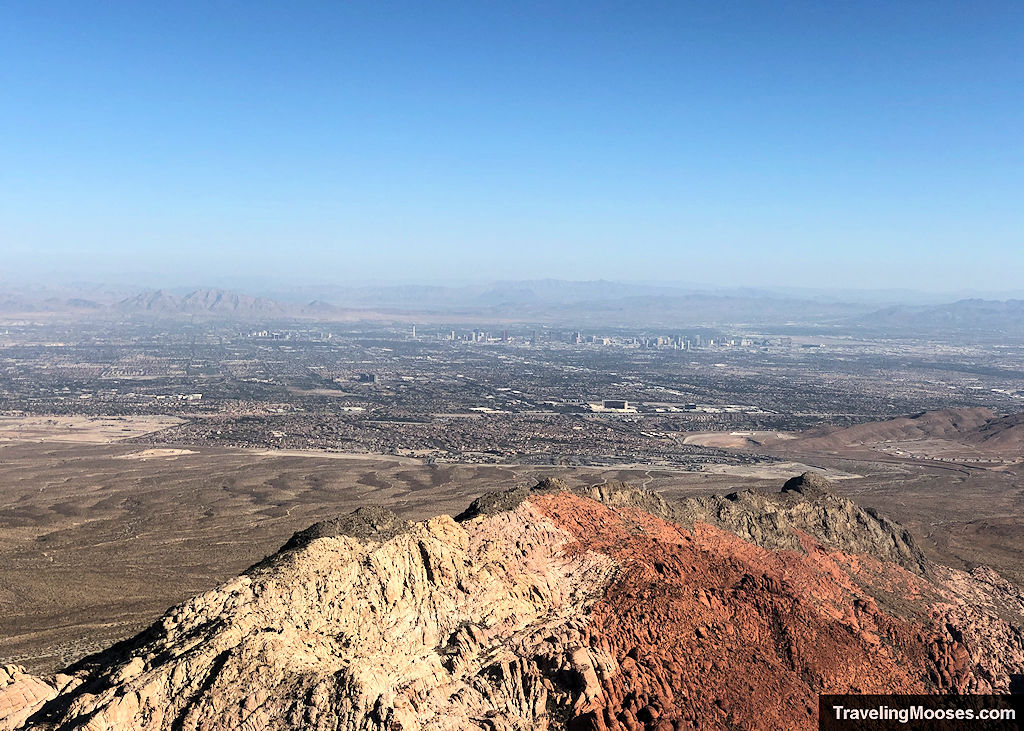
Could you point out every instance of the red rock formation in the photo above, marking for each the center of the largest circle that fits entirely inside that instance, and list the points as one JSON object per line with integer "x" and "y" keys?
{"x": 544, "y": 609}
{"x": 711, "y": 631}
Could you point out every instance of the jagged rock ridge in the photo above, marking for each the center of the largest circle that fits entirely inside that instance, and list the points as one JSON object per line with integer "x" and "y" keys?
{"x": 543, "y": 608}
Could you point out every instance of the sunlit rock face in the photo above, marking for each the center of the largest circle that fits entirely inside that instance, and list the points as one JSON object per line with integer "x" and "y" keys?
{"x": 542, "y": 608}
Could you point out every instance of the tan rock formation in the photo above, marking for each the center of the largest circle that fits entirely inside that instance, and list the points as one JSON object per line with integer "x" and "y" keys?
{"x": 21, "y": 695}
{"x": 538, "y": 609}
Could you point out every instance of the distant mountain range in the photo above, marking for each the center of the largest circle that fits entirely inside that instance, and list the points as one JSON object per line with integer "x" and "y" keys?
{"x": 487, "y": 294}
{"x": 970, "y": 315}
{"x": 545, "y": 301}
{"x": 16, "y": 303}
{"x": 221, "y": 303}
{"x": 577, "y": 304}
{"x": 215, "y": 301}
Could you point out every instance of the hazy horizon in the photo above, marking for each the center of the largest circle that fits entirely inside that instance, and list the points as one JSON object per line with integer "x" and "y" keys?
{"x": 298, "y": 290}
{"x": 866, "y": 147}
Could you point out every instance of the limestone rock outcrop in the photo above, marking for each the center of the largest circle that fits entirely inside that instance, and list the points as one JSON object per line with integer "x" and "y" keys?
{"x": 608, "y": 608}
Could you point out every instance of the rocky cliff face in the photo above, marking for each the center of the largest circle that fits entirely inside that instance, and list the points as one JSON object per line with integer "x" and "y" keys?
{"x": 549, "y": 609}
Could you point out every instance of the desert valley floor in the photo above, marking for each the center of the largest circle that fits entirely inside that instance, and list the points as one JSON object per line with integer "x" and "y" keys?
{"x": 98, "y": 538}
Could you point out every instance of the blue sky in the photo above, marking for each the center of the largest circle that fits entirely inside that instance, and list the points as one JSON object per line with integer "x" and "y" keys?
{"x": 863, "y": 144}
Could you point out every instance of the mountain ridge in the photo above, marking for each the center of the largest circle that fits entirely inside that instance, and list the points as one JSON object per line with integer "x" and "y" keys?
{"x": 552, "y": 301}
{"x": 601, "y": 608}
{"x": 965, "y": 316}
{"x": 979, "y": 430}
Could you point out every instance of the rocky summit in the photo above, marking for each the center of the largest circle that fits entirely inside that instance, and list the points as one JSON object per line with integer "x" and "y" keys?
{"x": 546, "y": 608}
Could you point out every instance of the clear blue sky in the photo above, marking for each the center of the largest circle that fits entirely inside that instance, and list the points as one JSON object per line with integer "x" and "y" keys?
{"x": 868, "y": 144}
